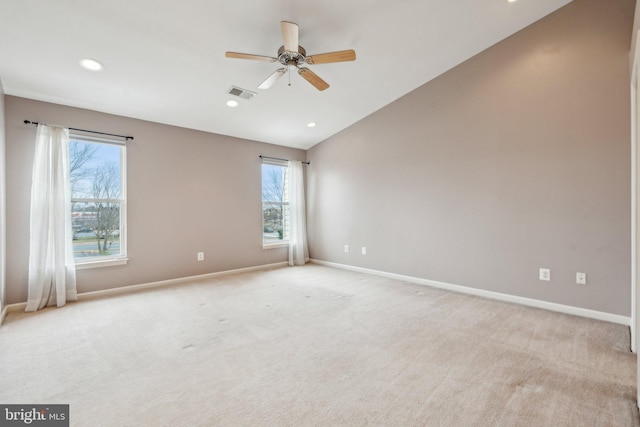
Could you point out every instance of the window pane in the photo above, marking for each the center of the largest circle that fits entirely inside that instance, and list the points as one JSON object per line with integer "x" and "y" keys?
{"x": 95, "y": 170}
{"x": 97, "y": 188}
{"x": 275, "y": 209}
{"x": 272, "y": 183}
{"x": 273, "y": 215}
{"x": 96, "y": 229}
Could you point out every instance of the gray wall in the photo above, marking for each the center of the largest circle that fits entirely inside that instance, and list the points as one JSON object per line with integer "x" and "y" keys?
{"x": 517, "y": 159}
{"x": 188, "y": 191}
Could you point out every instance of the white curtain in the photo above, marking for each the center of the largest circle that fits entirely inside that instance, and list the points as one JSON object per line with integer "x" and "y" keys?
{"x": 52, "y": 274}
{"x": 298, "y": 250}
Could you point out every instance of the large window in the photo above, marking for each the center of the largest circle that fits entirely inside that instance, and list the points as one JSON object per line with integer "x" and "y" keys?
{"x": 97, "y": 172}
{"x": 275, "y": 205}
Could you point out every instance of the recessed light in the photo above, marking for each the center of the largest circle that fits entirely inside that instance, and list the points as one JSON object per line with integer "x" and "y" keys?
{"x": 511, "y": 1}
{"x": 232, "y": 103}
{"x": 311, "y": 124}
{"x": 91, "y": 64}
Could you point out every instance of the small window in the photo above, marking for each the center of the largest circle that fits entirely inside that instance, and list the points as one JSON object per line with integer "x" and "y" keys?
{"x": 97, "y": 171}
{"x": 275, "y": 204}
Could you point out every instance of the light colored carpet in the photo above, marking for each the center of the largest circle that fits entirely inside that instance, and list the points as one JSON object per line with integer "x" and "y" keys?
{"x": 317, "y": 346}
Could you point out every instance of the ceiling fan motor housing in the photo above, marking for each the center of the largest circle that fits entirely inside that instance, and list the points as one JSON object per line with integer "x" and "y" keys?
{"x": 292, "y": 58}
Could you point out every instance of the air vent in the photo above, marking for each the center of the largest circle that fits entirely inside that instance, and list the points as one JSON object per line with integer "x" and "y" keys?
{"x": 242, "y": 93}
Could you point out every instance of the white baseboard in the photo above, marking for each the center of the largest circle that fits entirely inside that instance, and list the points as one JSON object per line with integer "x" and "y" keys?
{"x": 162, "y": 283}
{"x": 583, "y": 312}
{"x": 576, "y": 311}
{"x": 132, "y": 288}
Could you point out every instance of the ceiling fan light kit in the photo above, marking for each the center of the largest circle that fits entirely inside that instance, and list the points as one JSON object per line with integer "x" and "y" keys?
{"x": 294, "y": 56}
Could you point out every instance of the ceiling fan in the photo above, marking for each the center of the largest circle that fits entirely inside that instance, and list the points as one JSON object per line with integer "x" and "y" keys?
{"x": 293, "y": 56}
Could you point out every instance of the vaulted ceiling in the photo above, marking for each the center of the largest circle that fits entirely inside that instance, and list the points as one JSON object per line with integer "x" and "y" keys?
{"x": 165, "y": 61}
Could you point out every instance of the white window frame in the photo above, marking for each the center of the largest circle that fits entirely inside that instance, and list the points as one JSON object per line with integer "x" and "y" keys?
{"x": 121, "y": 259}
{"x": 285, "y": 240}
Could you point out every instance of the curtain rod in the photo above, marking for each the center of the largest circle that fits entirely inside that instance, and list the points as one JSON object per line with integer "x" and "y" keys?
{"x": 284, "y": 160}
{"x": 29, "y": 122}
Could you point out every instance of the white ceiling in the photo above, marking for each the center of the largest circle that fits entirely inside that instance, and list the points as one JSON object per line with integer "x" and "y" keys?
{"x": 164, "y": 60}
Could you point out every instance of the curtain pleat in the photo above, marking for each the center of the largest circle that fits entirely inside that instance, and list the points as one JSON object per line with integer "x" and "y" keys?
{"x": 298, "y": 249}
{"x": 52, "y": 274}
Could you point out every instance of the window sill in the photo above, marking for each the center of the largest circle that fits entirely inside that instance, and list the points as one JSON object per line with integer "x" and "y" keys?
{"x": 102, "y": 263}
{"x": 275, "y": 245}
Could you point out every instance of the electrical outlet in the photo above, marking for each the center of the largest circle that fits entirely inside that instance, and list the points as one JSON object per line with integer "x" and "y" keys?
{"x": 545, "y": 274}
{"x": 200, "y": 256}
{"x": 581, "y": 278}
{"x": 346, "y": 248}
{"x": 364, "y": 250}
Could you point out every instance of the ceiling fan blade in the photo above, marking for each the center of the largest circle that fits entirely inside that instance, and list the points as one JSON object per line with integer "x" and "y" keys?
{"x": 290, "y": 36}
{"x": 324, "y": 58}
{"x": 313, "y": 78}
{"x": 249, "y": 56}
{"x": 272, "y": 78}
